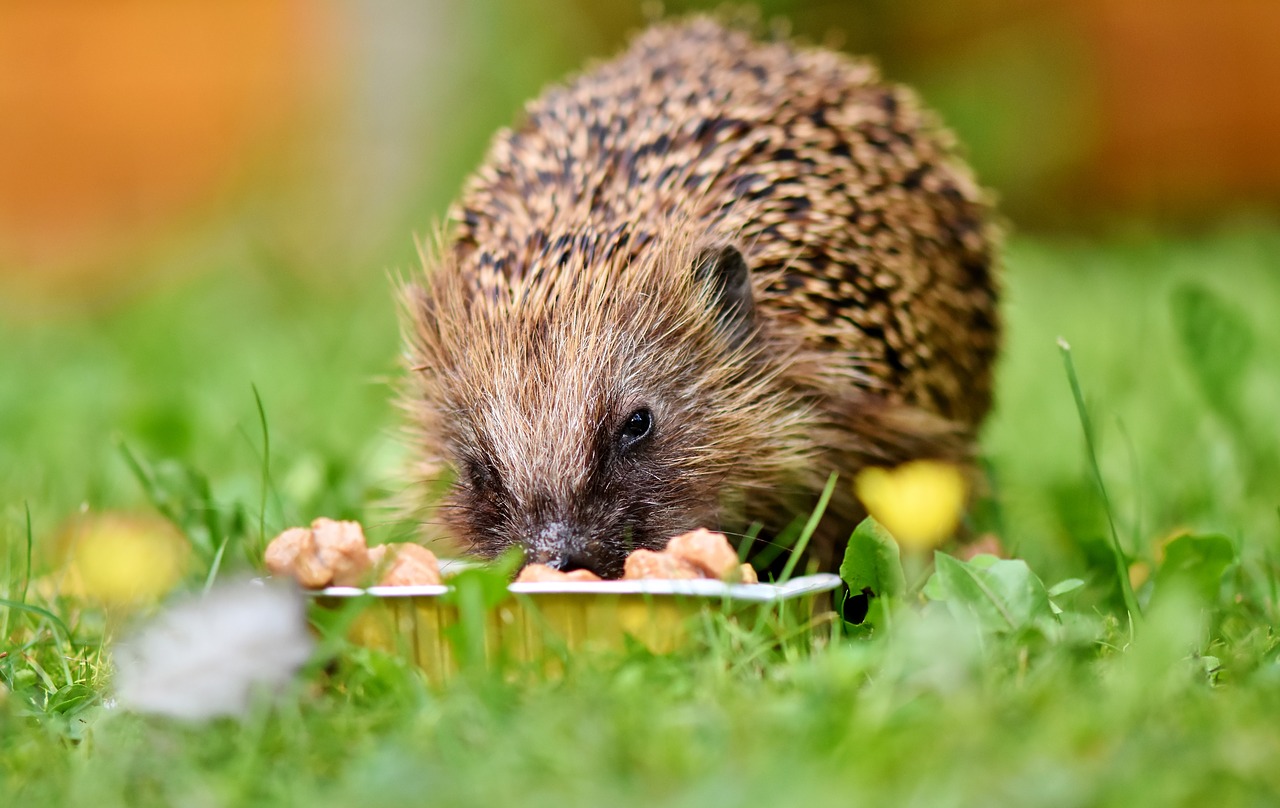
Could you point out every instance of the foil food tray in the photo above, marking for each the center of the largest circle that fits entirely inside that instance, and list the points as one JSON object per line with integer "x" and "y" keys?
{"x": 539, "y": 623}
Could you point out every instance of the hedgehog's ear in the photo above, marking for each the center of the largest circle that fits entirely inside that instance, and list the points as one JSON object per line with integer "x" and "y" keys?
{"x": 725, "y": 271}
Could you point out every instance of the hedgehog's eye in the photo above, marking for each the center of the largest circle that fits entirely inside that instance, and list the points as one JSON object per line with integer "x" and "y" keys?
{"x": 480, "y": 474}
{"x": 638, "y": 426}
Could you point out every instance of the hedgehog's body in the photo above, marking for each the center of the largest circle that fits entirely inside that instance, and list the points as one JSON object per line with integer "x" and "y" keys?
{"x": 599, "y": 364}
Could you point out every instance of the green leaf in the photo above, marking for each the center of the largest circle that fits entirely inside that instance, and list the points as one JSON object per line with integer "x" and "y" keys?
{"x": 36, "y": 610}
{"x": 810, "y": 526}
{"x": 1002, "y": 595}
{"x": 1065, "y": 586}
{"x": 1196, "y": 563}
{"x": 872, "y": 561}
{"x": 488, "y": 581}
{"x": 1217, "y": 343}
{"x": 1117, "y": 552}
{"x": 476, "y": 592}
{"x": 70, "y": 700}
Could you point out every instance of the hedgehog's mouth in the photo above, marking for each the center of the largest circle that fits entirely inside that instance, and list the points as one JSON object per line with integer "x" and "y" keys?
{"x": 568, "y": 562}
{"x": 609, "y": 570}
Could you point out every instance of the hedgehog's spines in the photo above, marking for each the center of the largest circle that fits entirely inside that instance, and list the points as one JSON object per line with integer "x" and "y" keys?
{"x": 569, "y": 291}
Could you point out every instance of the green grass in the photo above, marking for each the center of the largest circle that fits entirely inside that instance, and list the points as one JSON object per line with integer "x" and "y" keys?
{"x": 981, "y": 697}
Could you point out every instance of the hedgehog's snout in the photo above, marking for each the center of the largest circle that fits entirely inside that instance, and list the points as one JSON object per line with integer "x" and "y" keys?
{"x": 559, "y": 546}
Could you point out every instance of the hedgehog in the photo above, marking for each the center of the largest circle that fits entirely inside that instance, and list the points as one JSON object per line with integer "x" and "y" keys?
{"x": 689, "y": 285}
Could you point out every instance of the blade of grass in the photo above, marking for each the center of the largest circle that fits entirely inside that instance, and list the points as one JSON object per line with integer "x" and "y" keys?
{"x": 147, "y": 480}
{"x": 1272, "y": 588}
{"x": 771, "y": 549}
{"x": 749, "y": 540}
{"x": 809, "y": 528}
{"x": 1122, "y": 569}
{"x": 266, "y": 467}
{"x": 216, "y": 564}
{"x": 26, "y": 578}
{"x": 1132, "y": 450}
{"x": 36, "y": 610}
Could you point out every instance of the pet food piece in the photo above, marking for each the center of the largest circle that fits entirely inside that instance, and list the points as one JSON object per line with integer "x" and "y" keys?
{"x": 293, "y": 554}
{"x": 342, "y": 549}
{"x": 541, "y": 573}
{"x": 405, "y": 564}
{"x": 646, "y": 564}
{"x": 710, "y": 552}
{"x": 327, "y": 553}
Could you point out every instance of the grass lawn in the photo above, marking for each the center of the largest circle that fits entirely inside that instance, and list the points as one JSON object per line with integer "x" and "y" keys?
{"x": 952, "y": 699}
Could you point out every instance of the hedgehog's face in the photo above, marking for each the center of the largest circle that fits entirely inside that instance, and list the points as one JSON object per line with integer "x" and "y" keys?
{"x": 579, "y": 490}
{"x": 583, "y": 432}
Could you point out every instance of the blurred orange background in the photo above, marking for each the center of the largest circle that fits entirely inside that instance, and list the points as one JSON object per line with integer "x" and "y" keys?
{"x": 333, "y": 131}
{"x": 119, "y": 117}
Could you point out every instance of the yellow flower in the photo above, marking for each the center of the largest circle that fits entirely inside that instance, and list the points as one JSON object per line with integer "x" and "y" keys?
{"x": 122, "y": 559}
{"x": 919, "y": 502}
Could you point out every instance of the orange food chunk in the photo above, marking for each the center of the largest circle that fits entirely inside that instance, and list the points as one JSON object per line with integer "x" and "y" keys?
{"x": 710, "y": 552}
{"x": 541, "y": 573}
{"x": 293, "y": 554}
{"x": 646, "y": 564}
{"x": 327, "y": 553}
{"x": 343, "y": 549}
{"x": 405, "y": 565}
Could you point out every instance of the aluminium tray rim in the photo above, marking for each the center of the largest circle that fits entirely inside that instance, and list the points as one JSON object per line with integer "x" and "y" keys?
{"x": 697, "y": 588}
